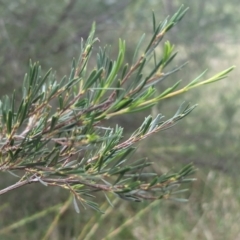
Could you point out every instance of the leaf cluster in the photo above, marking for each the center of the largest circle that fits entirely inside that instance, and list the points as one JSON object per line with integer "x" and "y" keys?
{"x": 56, "y": 135}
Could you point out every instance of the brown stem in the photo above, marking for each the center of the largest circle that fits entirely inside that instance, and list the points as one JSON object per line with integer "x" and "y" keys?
{"x": 59, "y": 182}
{"x": 132, "y": 69}
{"x": 16, "y": 185}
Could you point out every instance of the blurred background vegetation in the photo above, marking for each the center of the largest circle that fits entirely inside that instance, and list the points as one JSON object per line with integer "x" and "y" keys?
{"x": 208, "y": 37}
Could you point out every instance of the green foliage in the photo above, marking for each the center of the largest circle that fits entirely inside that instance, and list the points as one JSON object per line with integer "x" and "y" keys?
{"x": 57, "y": 134}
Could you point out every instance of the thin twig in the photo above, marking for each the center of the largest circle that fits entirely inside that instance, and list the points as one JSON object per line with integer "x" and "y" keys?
{"x": 14, "y": 186}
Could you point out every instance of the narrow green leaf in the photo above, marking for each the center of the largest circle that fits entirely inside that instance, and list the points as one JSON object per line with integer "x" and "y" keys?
{"x": 71, "y": 83}
{"x": 93, "y": 205}
{"x": 9, "y": 122}
{"x": 189, "y": 167}
{"x": 155, "y": 69}
{"x": 39, "y": 84}
{"x": 109, "y": 201}
{"x": 155, "y": 122}
{"x": 89, "y": 81}
{"x": 218, "y": 76}
{"x": 73, "y": 70}
{"x": 41, "y": 181}
{"x": 137, "y": 48}
{"x": 180, "y": 191}
{"x": 23, "y": 113}
{"x": 170, "y": 59}
{"x": 53, "y": 122}
{"x": 154, "y": 21}
{"x": 75, "y": 205}
{"x": 153, "y": 182}
{"x": 193, "y": 82}
{"x": 145, "y": 125}
{"x": 120, "y": 171}
{"x": 13, "y": 102}
{"x": 123, "y": 104}
{"x": 124, "y": 71}
{"x": 139, "y": 109}
{"x": 94, "y": 76}
{"x": 148, "y": 49}
{"x": 60, "y": 102}
{"x": 54, "y": 89}
{"x": 169, "y": 90}
{"x": 13, "y": 174}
